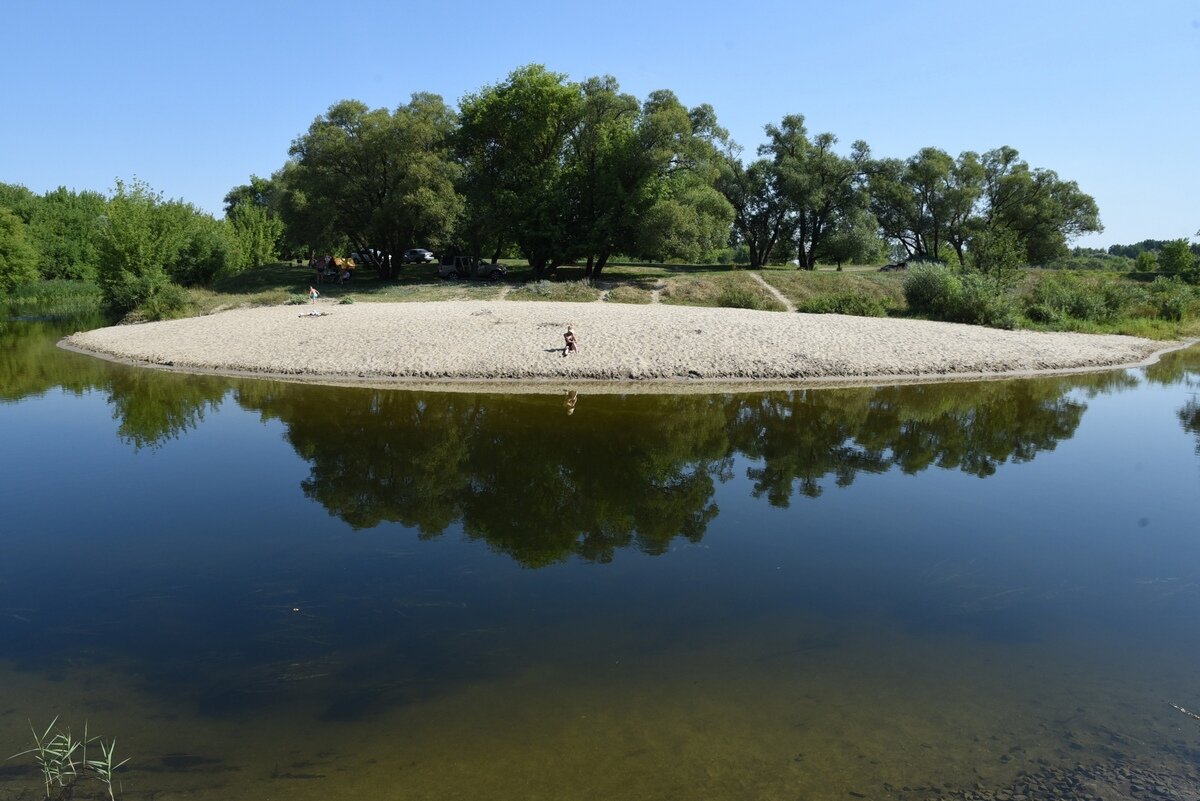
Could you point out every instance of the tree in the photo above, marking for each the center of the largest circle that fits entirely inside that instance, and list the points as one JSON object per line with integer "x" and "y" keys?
{"x": 997, "y": 252}
{"x": 688, "y": 217}
{"x": 512, "y": 141}
{"x": 256, "y": 232}
{"x": 1043, "y": 210}
{"x": 855, "y": 239}
{"x": 1176, "y": 258}
{"x": 18, "y": 256}
{"x": 820, "y": 186}
{"x": 139, "y": 237}
{"x": 382, "y": 179}
{"x": 761, "y": 219}
{"x": 1146, "y": 261}
{"x": 65, "y": 225}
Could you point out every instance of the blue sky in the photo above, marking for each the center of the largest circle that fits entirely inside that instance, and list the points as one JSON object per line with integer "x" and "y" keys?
{"x": 194, "y": 97}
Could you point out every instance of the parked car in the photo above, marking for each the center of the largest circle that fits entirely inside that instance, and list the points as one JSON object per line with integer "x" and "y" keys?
{"x": 465, "y": 267}
{"x": 418, "y": 256}
{"x": 369, "y": 257}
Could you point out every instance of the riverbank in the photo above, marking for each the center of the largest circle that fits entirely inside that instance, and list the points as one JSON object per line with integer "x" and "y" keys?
{"x": 473, "y": 341}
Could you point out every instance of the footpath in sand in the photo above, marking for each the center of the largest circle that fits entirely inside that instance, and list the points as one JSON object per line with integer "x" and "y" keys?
{"x": 472, "y": 341}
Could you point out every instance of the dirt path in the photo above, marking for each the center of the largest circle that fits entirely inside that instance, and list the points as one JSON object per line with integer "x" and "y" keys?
{"x": 504, "y": 290}
{"x": 779, "y": 296}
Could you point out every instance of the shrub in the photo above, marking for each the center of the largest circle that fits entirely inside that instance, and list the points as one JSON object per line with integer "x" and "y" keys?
{"x": 853, "y": 303}
{"x": 929, "y": 286}
{"x": 982, "y": 300}
{"x": 1067, "y": 296}
{"x": 1171, "y": 299}
{"x": 938, "y": 291}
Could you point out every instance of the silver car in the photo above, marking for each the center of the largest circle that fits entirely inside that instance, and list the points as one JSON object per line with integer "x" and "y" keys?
{"x": 418, "y": 256}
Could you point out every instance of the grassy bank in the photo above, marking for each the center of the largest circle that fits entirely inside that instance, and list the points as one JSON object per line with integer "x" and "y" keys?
{"x": 1093, "y": 302}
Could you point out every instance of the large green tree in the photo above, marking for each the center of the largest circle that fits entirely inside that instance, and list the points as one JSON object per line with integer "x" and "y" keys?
{"x": 821, "y": 187}
{"x": 18, "y": 256}
{"x": 65, "y": 226}
{"x": 382, "y": 179}
{"x": 1044, "y": 211}
{"x": 512, "y": 142}
{"x": 761, "y": 215}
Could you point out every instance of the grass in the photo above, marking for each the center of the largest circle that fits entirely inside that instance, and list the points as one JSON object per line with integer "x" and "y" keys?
{"x": 807, "y": 288}
{"x": 730, "y": 290}
{"x": 857, "y": 289}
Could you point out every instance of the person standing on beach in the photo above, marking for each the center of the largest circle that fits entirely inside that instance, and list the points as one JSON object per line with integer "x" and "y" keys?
{"x": 313, "y": 294}
{"x": 571, "y": 345}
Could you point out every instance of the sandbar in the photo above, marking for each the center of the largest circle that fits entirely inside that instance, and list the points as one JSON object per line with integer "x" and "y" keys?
{"x": 506, "y": 343}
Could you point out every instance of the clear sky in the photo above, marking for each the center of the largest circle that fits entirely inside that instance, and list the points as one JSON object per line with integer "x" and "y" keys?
{"x": 193, "y": 97}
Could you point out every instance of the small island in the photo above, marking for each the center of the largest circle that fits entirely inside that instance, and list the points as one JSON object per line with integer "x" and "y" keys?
{"x": 510, "y": 342}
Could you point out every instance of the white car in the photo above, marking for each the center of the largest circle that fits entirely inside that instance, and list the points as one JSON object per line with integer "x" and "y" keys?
{"x": 418, "y": 256}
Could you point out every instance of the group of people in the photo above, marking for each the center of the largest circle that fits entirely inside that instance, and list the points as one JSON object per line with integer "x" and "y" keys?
{"x": 328, "y": 269}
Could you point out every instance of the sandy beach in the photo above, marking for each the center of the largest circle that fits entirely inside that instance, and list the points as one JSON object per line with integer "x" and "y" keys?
{"x": 506, "y": 342}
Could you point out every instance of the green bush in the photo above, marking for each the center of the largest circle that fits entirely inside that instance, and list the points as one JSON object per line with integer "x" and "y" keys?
{"x": 853, "y": 303}
{"x": 1171, "y": 299}
{"x": 1065, "y": 295}
{"x": 938, "y": 291}
{"x": 928, "y": 288}
{"x": 982, "y": 300}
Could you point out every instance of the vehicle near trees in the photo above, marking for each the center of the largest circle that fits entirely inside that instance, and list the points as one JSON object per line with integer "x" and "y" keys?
{"x": 453, "y": 267}
{"x": 370, "y": 258}
{"x": 418, "y": 256}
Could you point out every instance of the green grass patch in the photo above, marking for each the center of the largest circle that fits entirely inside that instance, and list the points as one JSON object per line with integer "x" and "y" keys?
{"x": 819, "y": 288}
{"x": 629, "y": 293}
{"x": 580, "y": 291}
{"x": 735, "y": 290}
{"x": 57, "y": 298}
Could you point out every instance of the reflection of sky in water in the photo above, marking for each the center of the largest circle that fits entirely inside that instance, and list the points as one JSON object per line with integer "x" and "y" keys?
{"x": 200, "y": 562}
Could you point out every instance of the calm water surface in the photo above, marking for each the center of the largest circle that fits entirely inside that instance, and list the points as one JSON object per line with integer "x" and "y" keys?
{"x": 267, "y": 590}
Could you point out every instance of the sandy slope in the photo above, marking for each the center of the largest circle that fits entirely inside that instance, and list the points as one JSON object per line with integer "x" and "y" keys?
{"x": 487, "y": 340}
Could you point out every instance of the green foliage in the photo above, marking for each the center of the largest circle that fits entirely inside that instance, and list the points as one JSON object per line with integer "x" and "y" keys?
{"x": 18, "y": 256}
{"x": 1176, "y": 258}
{"x": 65, "y": 225}
{"x": 940, "y": 292}
{"x": 256, "y": 232}
{"x": 853, "y": 303}
{"x": 377, "y": 179}
{"x": 1061, "y": 296}
{"x": 146, "y": 244}
{"x": 1146, "y": 261}
{"x": 1092, "y": 260}
{"x": 928, "y": 286}
{"x": 1172, "y": 299}
{"x": 823, "y": 191}
{"x": 997, "y": 252}
{"x": 55, "y": 297}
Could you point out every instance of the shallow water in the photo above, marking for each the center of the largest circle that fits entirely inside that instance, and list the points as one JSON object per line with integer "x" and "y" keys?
{"x": 268, "y": 590}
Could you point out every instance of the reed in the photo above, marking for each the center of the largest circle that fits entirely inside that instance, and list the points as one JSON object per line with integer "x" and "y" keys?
{"x": 54, "y": 752}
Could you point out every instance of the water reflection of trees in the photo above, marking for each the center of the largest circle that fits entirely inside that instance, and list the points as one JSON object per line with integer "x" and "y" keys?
{"x": 639, "y": 471}
{"x": 1182, "y": 367}
{"x": 541, "y": 485}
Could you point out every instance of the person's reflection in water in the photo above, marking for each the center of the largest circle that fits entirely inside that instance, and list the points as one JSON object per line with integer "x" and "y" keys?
{"x": 570, "y": 401}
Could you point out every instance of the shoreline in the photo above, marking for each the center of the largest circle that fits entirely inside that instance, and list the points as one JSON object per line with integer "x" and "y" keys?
{"x": 506, "y": 346}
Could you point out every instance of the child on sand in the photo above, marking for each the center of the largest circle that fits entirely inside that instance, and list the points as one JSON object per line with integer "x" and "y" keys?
{"x": 571, "y": 346}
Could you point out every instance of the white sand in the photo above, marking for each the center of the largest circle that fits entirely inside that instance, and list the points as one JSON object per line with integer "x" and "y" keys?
{"x": 471, "y": 341}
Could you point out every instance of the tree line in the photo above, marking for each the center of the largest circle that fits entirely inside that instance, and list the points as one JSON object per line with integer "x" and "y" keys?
{"x": 562, "y": 172}
{"x": 139, "y": 247}
{"x": 555, "y": 172}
